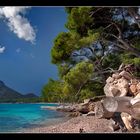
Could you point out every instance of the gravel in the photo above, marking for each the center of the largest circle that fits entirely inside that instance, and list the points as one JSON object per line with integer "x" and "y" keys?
{"x": 81, "y": 124}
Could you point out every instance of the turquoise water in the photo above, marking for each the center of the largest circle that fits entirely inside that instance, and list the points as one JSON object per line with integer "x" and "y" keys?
{"x": 16, "y": 117}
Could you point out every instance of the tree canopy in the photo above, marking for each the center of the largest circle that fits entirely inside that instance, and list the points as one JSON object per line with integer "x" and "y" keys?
{"x": 98, "y": 41}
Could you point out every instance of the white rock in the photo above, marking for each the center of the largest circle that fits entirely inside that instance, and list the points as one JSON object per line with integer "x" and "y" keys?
{"x": 91, "y": 113}
{"x": 116, "y": 76}
{"x": 110, "y": 80}
{"x": 86, "y": 101}
{"x": 126, "y": 75}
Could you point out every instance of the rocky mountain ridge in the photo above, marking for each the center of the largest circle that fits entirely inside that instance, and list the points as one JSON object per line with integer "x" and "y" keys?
{"x": 9, "y": 93}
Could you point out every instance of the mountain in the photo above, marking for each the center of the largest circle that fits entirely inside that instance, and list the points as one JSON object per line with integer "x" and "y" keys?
{"x": 10, "y": 94}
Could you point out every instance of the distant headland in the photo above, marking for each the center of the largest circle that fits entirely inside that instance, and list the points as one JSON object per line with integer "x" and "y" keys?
{"x": 8, "y": 94}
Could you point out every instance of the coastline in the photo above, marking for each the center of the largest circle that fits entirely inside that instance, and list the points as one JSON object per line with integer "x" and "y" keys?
{"x": 88, "y": 124}
{"x": 30, "y": 103}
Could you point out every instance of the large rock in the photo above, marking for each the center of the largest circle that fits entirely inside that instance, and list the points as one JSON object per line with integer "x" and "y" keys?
{"x": 116, "y": 76}
{"x": 86, "y": 101}
{"x": 107, "y": 90}
{"x": 75, "y": 114}
{"x": 138, "y": 86}
{"x": 133, "y": 89}
{"x": 101, "y": 112}
{"x": 138, "y": 95}
{"x": 91, "y": 113}
{"x": 83, "y": 108}
{"x": 135, "y": 99}
{"x": 118, "y": 88}
{"x": 127, "y": 119}
{"x": 110, "y": 80}
{"x": 126, "y": 75}
{"x": 91, "y": 107}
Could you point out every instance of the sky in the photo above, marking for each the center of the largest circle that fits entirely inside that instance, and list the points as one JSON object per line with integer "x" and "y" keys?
{"x": 26, "y": 39}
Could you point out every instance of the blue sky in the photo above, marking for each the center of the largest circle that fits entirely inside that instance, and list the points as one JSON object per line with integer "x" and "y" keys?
{"x": 26, "y": 38}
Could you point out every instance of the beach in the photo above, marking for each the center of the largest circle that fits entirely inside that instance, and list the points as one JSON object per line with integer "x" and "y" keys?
{"x": 80, "y": 124}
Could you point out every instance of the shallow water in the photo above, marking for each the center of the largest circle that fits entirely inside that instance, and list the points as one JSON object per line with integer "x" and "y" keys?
{"x": 16, "y": 117}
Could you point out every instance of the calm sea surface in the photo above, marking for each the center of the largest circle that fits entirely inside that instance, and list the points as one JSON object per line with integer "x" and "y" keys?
{"x": 16, "y": 117}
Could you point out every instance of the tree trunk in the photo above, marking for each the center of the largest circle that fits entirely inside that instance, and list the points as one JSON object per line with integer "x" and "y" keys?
{"x": 122, "y": 104}
{"x": 101, "y": 112}
{"x": 117, "y": 104}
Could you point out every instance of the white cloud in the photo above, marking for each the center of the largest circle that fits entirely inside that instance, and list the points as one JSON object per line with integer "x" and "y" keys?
{"x": 17, "y": 23}
{"x": 2, "y": 49}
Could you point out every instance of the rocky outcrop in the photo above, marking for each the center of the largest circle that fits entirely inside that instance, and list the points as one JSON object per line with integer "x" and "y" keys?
{"x": 120, "y": 104}
{"x": 122, "y": 92}
{"x": 118, "y": 84}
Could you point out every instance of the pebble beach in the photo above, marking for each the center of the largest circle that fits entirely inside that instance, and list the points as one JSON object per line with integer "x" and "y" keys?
{"x": 81, "y": 124}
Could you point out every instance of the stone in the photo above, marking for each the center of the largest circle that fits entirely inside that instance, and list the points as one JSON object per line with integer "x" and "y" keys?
{"x": 74, "y": 114}
{"x": 133, "y": 89}
{"x": 91, "y": 113}
{"x": 138, "y": 95}
{"x": 83, "y": 109}
{"x": 122, "y": 82}
{"x": 135, "y": 99}
{"x": 115, "y": 91}
{"x": 116, "y": 76}
{"x": 134, "y": 81}
{"x": 113, "y": 125}
{"x": 138, "y": 86}
{"x": 115, "y": 82}
{"x": 118, "y": 89}
{"x": 127, "y": 120}
{"x": 126, "y": 75}
{"x": 91, "y": 107}
{"x": 110, "y": 80}
{"x": 135, "y": 110}
{"x": 107, "y": 90}
{"x": 86, "y": 101}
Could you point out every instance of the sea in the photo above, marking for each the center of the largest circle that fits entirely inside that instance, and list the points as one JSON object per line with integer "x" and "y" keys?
{"x": 17, "y": 117}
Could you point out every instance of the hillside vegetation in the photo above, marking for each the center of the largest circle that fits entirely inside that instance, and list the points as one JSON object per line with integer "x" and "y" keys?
{"x": 98, "y": 41}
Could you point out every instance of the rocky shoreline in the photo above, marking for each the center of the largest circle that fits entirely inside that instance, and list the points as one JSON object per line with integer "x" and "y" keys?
{"x": 116, "y": 111}
{"x": 81, "y": 124}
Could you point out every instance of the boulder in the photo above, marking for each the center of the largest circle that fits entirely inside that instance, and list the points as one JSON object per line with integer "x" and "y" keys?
{"x": 83, "y": 108}
{"x": 75, "y": 114}
{"x": 127, "y": 120}
{"x": 133, "y": 89}
{"x": 91, "y": 113}
{"x": 116, "y": 76}
{"x": 122, "y": 82}
{"x": 115, "y": 91}
{"x": 138, "y": 86}
{"x": 66, "y": 108}
{"x": 134, "y": 81}
{"x": 138, "y": 95}
{"x": 135, "y": 99}
{"x": 126, "y": 75}
{"x": 110, "y": 80}
{"x": 135, "y": 110}
{"x": 115, "y": 82}
{"x": 101, "y": 112}
{"x": 107, "y": 90}
{"x": 113, "y": 125}
{"x": 91, "y": 107}
{"x": 86, "y": 101}
{"x": 119, "y": 88}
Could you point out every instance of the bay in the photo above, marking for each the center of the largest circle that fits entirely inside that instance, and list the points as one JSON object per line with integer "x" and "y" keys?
{"x": 16, "y": 117}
